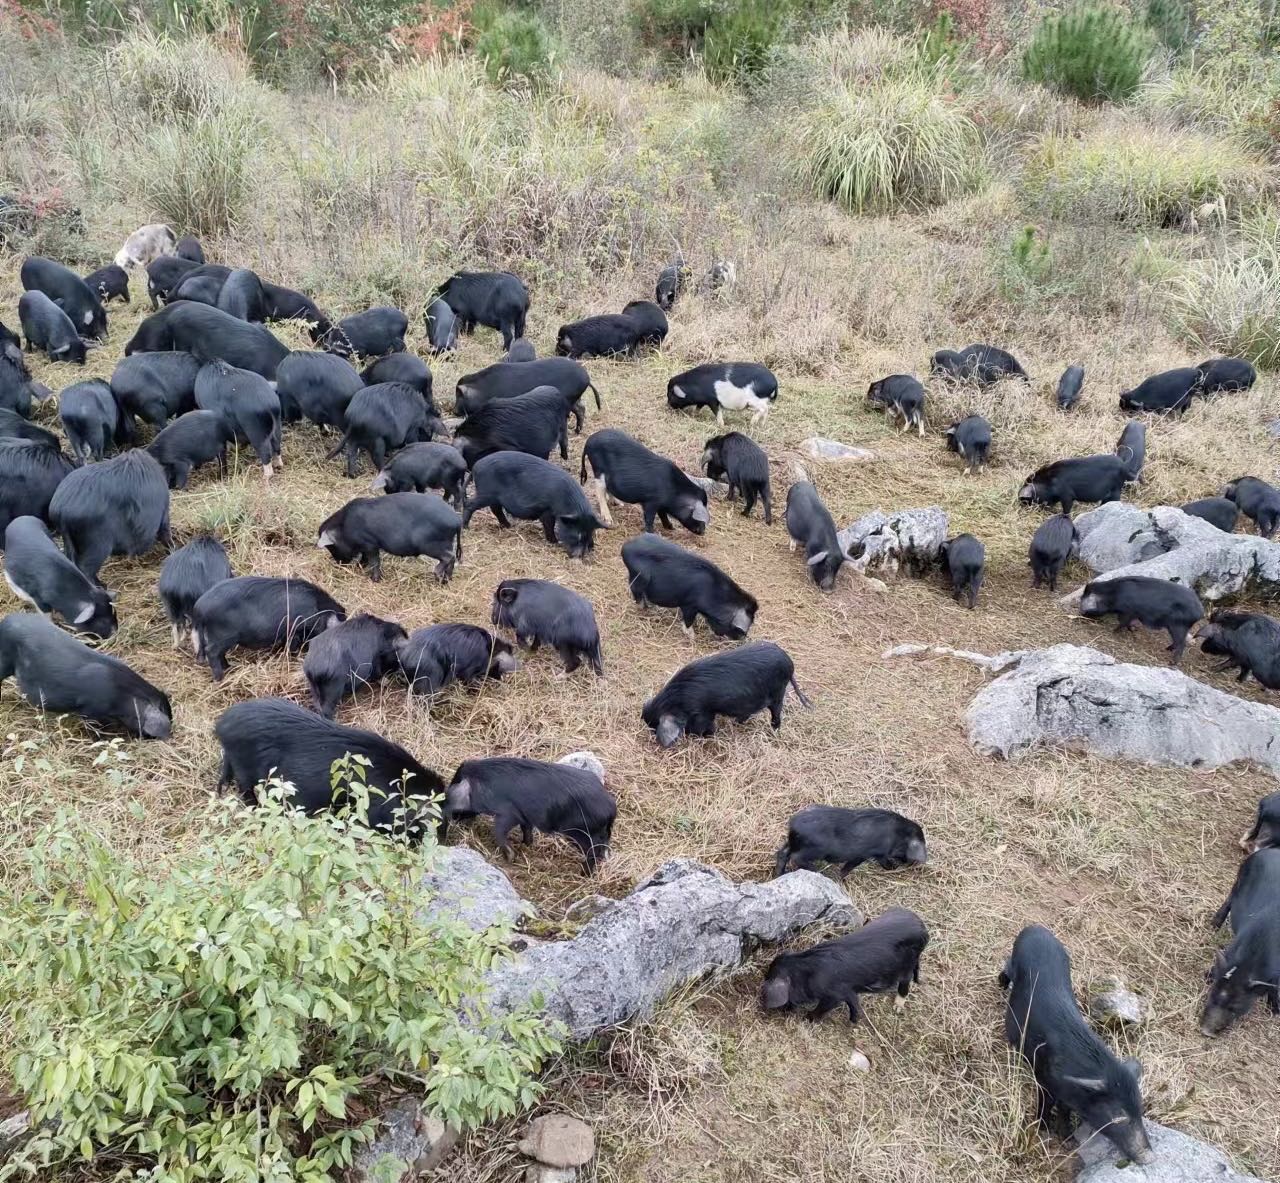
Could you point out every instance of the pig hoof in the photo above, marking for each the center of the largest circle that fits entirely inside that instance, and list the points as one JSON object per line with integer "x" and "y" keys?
{"x": 899, "y": 1003}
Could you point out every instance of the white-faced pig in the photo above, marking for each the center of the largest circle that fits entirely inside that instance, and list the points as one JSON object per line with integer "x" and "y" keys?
{"x": 435, "y": 657}
{"x": 628, "y": 471}
{"x": 1248, "y": 969}
{"x": 39, "y": 573}
{"x": 810, "y": 525}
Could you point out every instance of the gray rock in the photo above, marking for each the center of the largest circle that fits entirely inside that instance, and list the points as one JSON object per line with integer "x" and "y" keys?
{"x": 411, "y": 1143}
{"x": 1075, "y": 697}
{"x": 539, "y": 1172}
{"x": 463, "y": 885}
{"x": 587, "y": 761}
{"x": 1115, "y": 535}
{"x": 712, "y": 488}
{"x": 684, "y": 923}
{"x": 994, "y": 664}
{"x": 1273, "y": 429}
{"x": 14, "y": 1128}
{"x": 817, "y": 448}
{"x": 886, "y": 541}
{"x": 1177, "y": 1158}
{"x": 587, "y": 908}
{"x": 558, "y": 1140}
{"x": 1112, "y": 1004}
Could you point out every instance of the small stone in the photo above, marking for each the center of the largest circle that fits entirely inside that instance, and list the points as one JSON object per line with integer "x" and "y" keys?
{"x": 539, "y": 1172}
{"x": 14, "y": 1127}
{"x": 587, "y": 761}
{"x": 705, "y": 483}
{"x": 822, "y": 449}
{"x": 859, "y": 1063}
{"x": 588, "y": 908}
{"x": 558, "y": 1140}
{"x": 1112, "y": 1005}
{"x": 1273, "y": 429}
{"x": 412, "y": 1141}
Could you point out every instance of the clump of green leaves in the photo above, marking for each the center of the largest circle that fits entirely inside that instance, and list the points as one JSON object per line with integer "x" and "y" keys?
{"x": 217, "y": 1016}
{"x": 515, "y": 44}
{"x": 1093, "y": 51}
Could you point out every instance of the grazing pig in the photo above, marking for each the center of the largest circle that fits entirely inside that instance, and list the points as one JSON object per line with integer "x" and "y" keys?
{"x": 553, "y": 798}
{"x": 988, "y": 364}
{"x": 281, "y": 303}
{"x": 1155, "y": 603}
{"x": 66, "y": 289}
{"x": 1069, "y": 387}
{"x": 970, "y": 438}
{"x": 198, "y": 286}
{"x": 965, "y": 558}
{"x": 510, "y": 379}
{"x": 90, "y": 418}
{"x": 1055, "y": 541}
{"x": 266, "y": 738}
{"x": 17, "y": 391}
{"x": 1217, "y": 511}
{"x": 186, "y": 575}
{"x": 154, "y": 387}
{"x": 442, "y": 327}
{"x": 47, "y": 327}
{"x": 109, "y": 283}
{"x": 739, "y": 684}
{"x": 14, "y": 427}
{"x": 521, "y": 350}
{"x": 662, "y": 573}
{"x": 418, "y": 468}
{"x": 496, "y": 299}
{"x": 537, "y": 610}
{"x": 30, "y": 473}
{"x": 250, "y": 406}
{"x": 1266, "y": 828}
{"x": 1132, "y": 449}
{"x": 1258, "y": 501}
{"x": 188, "y": 247}
{"x": 372, "y": 333}
{"x": 381, "y": 419}
{"x": 1249, "y": 641}
{"x": 1088, "y": 478}
{"x": 650, "y": 322}
{"x": 316, "y": 386}
{"x": 145, "y": 244}
{"x": 257, "y": 612}
{"x": 810, "y": 524}
{"x": 625, "y": 469}
{"x": 241, "y": 296}
{"x": 193, "y": 439}
{"x": 901, "y": 394}
{"x": 210, "y": 335}
{"x": 164, "y": 274}
{"x": 39, "y": 573}
{"x": 725, "y": 386}
{"x": 1171, "y": 390}
{"x": 671, "y": 280}
{"x": 532, "y": 423}
{"x": 358, "y": 652}
{"x": 741, "y": 463}
{"x": 531, "y": 489}
{"x": 118, "y": 507}
{"x": 1075, "y": 1071}
{"x": 882, "y": 955}
{"x": 405, "y": 368}
{"x": 851, "y": 837}
{"x": 1249, "y": 967}
{"x": 435, "y": 657}
{"x": 60, "y": 675}
{"x": 610, "y": 335}
{"x": 11, "y": 349}
{"x": 1225, "y": 374}
{"x": 404, "y": 524}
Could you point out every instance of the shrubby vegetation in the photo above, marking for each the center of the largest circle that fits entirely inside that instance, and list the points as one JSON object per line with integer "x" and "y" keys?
{"x": 1093, "y": 51}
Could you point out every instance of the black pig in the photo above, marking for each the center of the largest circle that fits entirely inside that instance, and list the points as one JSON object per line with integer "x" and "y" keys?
{"x": 496, "y": 299}
{"x": 69, "y": 292}
{"x": 372, "y": 333}
{"x": 1258, "y": 501}
{"x": 1226, "y": 374}
{"x": 1217, "y": 511}
{"x": 1266, "y": 827}
{"x": 39, "y": 573}
{"x": 532, "y": 423}
{"x": 662, "y": 573}
{"x": 1249, "y": 967}
{"x": 186, "y": 575}
{"x": 403, "y": 524}
{"x": 970, "y": 437}
{"x": 537, "y": 610}
{"x": 1131, "y": 448}
{"x": 358, "y": 652}
{"x": 1249, "y": 641}
{"x": 30, "y": 473}
{"x": 901, "y": 394}
{"x": 316, "y": 386}
{"x": 1155, "y": 603}
{"x": 1069, "y": 387}
{"x": 851, "y": 837}
{"x": 249, "y": 405}
{"x": 1055, "y": 541}
{"x": 965, "y": 558}
{"x": 419, "y": 467}
{"x": 442, "y": 326}
{"x": 380, "y": 419}
{"x": 810, "y": 524}
{"x": 406, "y": 368}
{"x": 743, "y": 465}
{"x": 191, "y": 440}
{"x": 109, "y": 283}
{"x": 509, "y": 379}
{"x": 1089, "y": 478}
{"x": 90, "y": 418}
{"x": 154, "y": 387}
{"x": 435, "y": 657}
{"x": 47, "y": 327}
{"x": 625, "y": 469}
{"x": 1171, "y": 390}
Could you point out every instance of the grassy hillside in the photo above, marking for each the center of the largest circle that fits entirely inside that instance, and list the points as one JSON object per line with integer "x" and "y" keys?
{"x": 880, "y": 201}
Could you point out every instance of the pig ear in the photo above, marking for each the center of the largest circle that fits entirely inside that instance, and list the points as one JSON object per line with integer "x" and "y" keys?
{"x": 814, "y": 560}
{"x": 701, "y": 513}
{"x": 507, "y": 594}
{"x": 112, "y": 595}
{"x": 84, "y": 615}
{"x": 88, "y": 317}
{"x": 1089, "y": 1084}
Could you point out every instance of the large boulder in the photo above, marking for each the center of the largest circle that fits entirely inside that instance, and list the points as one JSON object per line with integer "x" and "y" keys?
{"x": 885, "y": 541}
{"x": 1164, "y": 543}
{"x": 1176, "y": 1158}
{"x": 1074, "y": 697}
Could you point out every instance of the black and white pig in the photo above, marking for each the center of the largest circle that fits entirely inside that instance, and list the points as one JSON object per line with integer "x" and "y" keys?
{"x": 1075, "y": 1071}
{"x": 1217, "y": 511}
{"x": 532, "y": 489}
{"x": 379, "y": 420}
{"x": 1055, "y": 541}
{"x": 882, "y": 955}
{"x": 118, "y": 507}
{"x": 851, "y": 837}
{"x": 185, "y": 575}
{"x": 725, "y": 386}
{"x": 69, "y": 292}
{"x": 90, "y": 418}
{"x": 533, "y": 795}
{"x": 662, "y": 573}
{"x": 437, "y": 656}
{"x": 316, "y": 386}
{"x": 420, "y": 467}
{"x": 409, "y": 525}
{"x": 39, "y": 573}
{"x": 1258, "y": 501}
{"x": 903, "y": 396}
{"x": 193, "y": 439}
{"x": 743, "y": 465}
{"x": 1086, "y": 478}
{"x": 154, "y": 387}
{"x": 739, "y": 684}
{"x": 372, "y": 333}
{"x": 496, "y": 299}
{"x": 259, "y": 612}
{"x": 810, "y": 525}
{"x": 970, "y": 438}
{"x": 248, "y": 403}
{"x": 358, "y": 652}
{"x": 60, "y": 675}
{"x": 965, "y": 559}
{"x": 47, "y": 327}
{"x": 532, "y": 423}
{"x": 30, "y": 473}
{"x": 625, "y": 469}
{"x": 538, "y": 611}
{"x": 1155, "y": 603}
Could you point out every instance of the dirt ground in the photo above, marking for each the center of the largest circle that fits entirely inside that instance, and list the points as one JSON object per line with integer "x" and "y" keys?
{"x": 1125, "y": 863}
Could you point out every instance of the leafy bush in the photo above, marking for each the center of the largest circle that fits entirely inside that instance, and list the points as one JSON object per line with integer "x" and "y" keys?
{"x": 515, "y": 44}
{"x": 1091, "y": 51}
{"x": 1140, "y": 174}
{"x": 900, "y": 143}
{"x": 222, "y": 1016}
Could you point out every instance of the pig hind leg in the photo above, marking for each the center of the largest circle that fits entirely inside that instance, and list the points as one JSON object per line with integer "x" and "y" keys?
{"x": 504, "y": 822}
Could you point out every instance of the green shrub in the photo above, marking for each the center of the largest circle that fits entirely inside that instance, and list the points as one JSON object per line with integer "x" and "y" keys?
{"x": 1172, "y": 22}
{"x": 739, "y": 42}
{"x": 678, "y": 26}
{"x": 223, "y": 1016}
{"x": 1091, "y": 51}
{"x": 900, "y": 143}
{"x": 515, "y": 44}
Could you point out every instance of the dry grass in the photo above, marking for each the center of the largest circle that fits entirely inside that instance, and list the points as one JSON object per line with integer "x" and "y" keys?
{"x": 1124, "y": 862}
